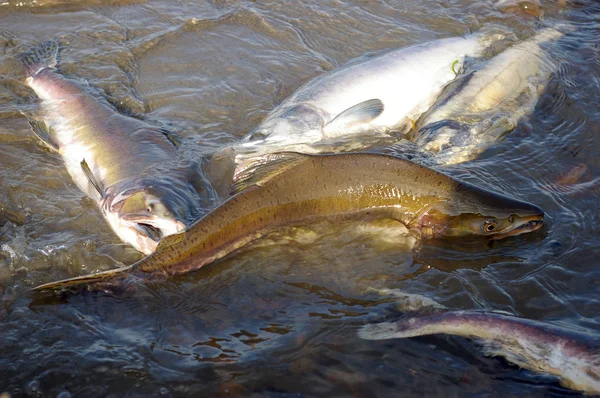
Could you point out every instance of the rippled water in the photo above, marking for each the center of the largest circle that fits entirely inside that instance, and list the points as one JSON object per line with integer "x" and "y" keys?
{"x": 280, "y": 319}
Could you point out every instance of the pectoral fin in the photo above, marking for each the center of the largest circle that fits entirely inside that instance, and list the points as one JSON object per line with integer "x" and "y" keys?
{"x": 353, "y": 118}
{"x": 91, "y": 178}
{"x": 258, "y": 170}
{"x": 41, "y": 130}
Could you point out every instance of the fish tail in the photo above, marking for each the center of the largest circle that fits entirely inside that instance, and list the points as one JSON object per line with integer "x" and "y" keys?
{"x": 380, "y": 331}
{"x": 112, "y": 275}
{"x": 404, "y": 328}
{"x": 41, "y": 57}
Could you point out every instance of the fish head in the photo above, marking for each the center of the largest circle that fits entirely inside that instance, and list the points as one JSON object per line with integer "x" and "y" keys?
{"x": 143, "y": 216}
{"x": 476, "y": 212}
{"x": 301, "y": 121}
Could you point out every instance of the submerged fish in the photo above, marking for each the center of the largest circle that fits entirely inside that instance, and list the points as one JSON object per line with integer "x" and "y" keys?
{"x": 111, "y": 157}
{"x": 376, "y": 95}
{"x": 573, "y": 357}
{"x": 525, "y": 8}
{"x": 290, "y": 189}
{"x": 488, "y": 102}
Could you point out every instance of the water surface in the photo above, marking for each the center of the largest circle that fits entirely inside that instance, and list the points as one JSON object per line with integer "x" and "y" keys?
{"x": 280, "y": 318}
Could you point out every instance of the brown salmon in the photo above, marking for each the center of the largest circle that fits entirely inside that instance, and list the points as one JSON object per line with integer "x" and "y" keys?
{"x": 290, "y": 189}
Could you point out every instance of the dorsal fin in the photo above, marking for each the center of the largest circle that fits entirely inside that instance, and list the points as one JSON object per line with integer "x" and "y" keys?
{"x": 354, "y": 117}
{"x": 260, "y": 169}
{"x": 90, "y": 176}
{"x": 169, "y": 240}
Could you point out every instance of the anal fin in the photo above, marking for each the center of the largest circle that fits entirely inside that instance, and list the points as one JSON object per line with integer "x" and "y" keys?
{"x": 41, "y": 130}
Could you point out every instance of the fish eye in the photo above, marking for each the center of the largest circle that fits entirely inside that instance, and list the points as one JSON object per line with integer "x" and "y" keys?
{"x": 489, "y": 225}
{"x": 150, "y": 208}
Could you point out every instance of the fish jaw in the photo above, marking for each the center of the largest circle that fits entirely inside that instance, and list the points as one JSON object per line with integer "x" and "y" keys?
{"x": 143, "y": 234}
{"x": 140, "y": 219}
{"x": 132, "y": 233}
{"x": 526, "y": 224}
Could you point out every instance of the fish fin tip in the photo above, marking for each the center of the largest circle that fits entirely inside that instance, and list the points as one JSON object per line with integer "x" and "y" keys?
{"x": 358, "y": 114}
{"x": 91, "y": 178}
{"x": 83, "y": 280}
{"x": 260, "y": 169}
{"x": 42, "y": 131}
{"x": 40, "y": 57}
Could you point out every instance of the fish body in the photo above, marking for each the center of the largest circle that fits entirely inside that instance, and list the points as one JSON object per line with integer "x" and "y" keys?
{"x": 487, "y": 102}
{"x": 288, "y": 189}
{"x": 111, "y": 157}
{"x": 572, "y": 357}
{"x": 375, "y": 95}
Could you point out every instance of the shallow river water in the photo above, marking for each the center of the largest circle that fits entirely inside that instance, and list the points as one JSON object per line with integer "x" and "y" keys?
{"x": 281, "y": 319}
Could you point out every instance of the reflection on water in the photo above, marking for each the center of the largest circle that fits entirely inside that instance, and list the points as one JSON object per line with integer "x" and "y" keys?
{"x": 281, "y": 317}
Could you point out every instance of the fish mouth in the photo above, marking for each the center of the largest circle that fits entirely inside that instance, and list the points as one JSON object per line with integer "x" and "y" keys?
{"x": 149, "y": 231}
{"x": 152, "y": 226}
{"x": 528, "y": 224}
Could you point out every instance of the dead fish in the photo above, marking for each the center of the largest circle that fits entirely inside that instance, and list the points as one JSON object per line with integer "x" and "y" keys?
{"x": 288, "y": 189}
{"x": 572, "y": 357}
{"x": 481, "y": 106}
{"x": 111, "y": 157}
{"x": 376, "y": 95}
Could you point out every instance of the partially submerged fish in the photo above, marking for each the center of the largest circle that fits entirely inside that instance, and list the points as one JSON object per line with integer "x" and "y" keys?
{"x": 288, "y": 189}
{"x": 525, "y": 8}
{"x": 376, "y": 95}
{"x": 121, "y": 162}
{"x": 572, "y": 357}
{"x": 480, "y": 107}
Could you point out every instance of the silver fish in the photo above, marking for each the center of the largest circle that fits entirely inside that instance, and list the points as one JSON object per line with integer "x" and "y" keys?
{"x": 126, "y": 165}
{"x": 487, "y": 103}
{"x": 571, "y": 356}
{"x": 376, "y": 95}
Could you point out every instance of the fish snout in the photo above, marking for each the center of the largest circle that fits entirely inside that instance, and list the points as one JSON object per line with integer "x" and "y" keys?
{"x": 523, "y": 225}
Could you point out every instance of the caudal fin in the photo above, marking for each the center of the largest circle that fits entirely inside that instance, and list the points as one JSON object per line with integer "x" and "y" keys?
{"x": 111, "y": 276}
{"x": 40, "y": 57}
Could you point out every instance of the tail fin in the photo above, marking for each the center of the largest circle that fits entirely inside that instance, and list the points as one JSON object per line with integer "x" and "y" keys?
{"x": 40, "y": 57}
{"x": 85, "y": 280}
{"x": 380, "y": 331}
